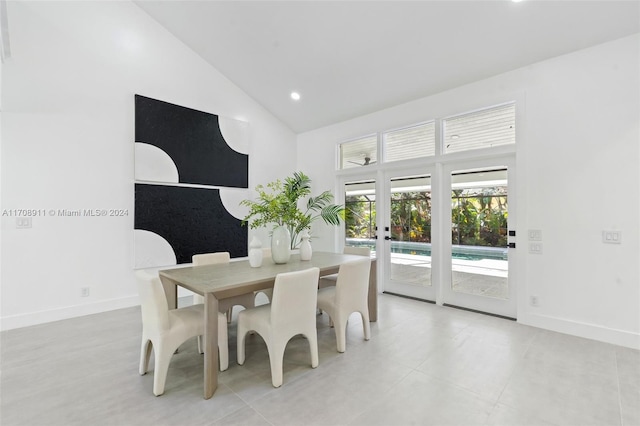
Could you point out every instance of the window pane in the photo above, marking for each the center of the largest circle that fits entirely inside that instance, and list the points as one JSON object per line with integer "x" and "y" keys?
{"x": 360, "y": 214}
{"x": 410, "y": 142}
{"x": 479, "y": 218}
{"x": 359, "y": 152}
{"x": 480, "y": 129}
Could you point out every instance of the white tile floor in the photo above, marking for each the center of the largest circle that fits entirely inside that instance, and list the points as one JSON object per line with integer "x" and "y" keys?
{"x": 425, "y": 365}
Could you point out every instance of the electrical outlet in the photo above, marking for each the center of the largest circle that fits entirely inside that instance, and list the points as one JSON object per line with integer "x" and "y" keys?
{"x": 23, "y": 222}
{"x": 535, "y": 248}
{"x": 534, "y": 301}
{"x": 535, "y": 235}
{"x": 612, "y": 237}
{"x": 84, "y": 292}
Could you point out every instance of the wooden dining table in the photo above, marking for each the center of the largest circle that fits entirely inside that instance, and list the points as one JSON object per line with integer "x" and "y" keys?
{"x": 220, "y": 281}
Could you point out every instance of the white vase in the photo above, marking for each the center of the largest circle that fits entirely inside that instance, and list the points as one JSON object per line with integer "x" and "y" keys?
{"x": 280, "y": 245}
{"x": 305, "y": 247}
{"x": 255, "y": 253}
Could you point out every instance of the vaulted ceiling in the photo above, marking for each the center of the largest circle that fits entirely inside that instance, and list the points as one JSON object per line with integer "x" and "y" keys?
{"x": 350, "y": 58}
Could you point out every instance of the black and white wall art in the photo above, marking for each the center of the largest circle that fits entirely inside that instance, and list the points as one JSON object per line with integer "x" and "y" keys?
{"x": 191, "y": 171}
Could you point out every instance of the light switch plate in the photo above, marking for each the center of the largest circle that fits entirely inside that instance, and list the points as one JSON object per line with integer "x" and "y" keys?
{"x": 535, "y": 235}
{"x": 612, "y": 237}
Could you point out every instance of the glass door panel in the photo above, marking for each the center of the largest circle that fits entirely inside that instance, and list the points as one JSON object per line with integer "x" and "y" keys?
{"x": 480, "y": 219}
{"x": 479, "y": 215}
{"x": 408, "y": 236}
{"x": 360, "y": 214}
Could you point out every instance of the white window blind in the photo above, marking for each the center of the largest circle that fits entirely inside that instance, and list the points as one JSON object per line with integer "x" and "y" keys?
{"x": 359, "y": 152}
{"x": 410, "y": 142}
{"x": 481, "y": 129}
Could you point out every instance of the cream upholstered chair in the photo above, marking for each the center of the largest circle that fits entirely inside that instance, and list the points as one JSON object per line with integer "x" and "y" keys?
{"x": 164, "y": 330}
{"x": 330, "y": 280}
{"x": 266, "y": 254}
{"x": 349, "y": 295}
{"x": 291, "y": 312}
{"x": 224, "y": 305}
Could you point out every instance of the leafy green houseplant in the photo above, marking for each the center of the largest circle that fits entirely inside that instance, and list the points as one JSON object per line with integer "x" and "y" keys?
{"x": 278, "y": 204}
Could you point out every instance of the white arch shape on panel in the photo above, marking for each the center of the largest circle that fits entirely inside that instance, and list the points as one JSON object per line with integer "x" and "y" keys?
{"x": 154, "y": 165}
{"x": 231, "y": 198}
{"x": 235, "y": 133}
{"x": 152, "y": 250}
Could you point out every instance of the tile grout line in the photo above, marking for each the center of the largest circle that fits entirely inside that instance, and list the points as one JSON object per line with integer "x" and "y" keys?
{"x": 384, "y": 395}
{"x": 524, "y": 354}
{"x": 615, "y": 354}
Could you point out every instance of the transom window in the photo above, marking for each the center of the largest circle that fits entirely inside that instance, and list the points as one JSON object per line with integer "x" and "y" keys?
{"x": 481, "y": 129}
{"x": 486, "y": 128}
{"x": 359, "y": 152}
{"x": 410, "y": 142}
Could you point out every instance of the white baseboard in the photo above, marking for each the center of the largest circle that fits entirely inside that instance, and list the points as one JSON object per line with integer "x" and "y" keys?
{"x": 41, "y": 317}
{"x": 589, "y": 331}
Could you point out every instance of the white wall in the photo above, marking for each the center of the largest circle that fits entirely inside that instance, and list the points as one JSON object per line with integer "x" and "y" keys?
{"x": 577, "y": 174}
{"x": 67, "y": 143}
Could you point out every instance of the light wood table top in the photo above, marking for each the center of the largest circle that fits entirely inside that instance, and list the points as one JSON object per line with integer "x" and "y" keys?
{"x": 221, "y": 281}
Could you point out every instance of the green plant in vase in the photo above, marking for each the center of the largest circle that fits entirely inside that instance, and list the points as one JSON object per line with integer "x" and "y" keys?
{"x": 277, "y": 204}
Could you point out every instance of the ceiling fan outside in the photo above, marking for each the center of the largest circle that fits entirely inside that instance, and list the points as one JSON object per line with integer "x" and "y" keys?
{"x": 367, "y": 161}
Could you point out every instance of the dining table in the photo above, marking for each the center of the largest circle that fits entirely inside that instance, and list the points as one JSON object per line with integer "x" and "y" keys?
{"x": 220, "y": 281}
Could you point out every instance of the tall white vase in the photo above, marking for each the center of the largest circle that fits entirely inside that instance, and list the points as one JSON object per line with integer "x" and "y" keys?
{"x": 255, "y": 253}
{"x": 305, "y": 247}
{"x": 280, "y": 245}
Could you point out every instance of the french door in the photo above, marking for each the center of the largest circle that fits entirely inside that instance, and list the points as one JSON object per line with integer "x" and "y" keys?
{"x": 406, "y": 233}
{"x": 476, "y": 259}
{"x": 440, "y": 232}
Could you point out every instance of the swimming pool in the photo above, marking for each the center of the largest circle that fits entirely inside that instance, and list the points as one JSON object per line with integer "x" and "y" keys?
{"x": 424, "y": 249}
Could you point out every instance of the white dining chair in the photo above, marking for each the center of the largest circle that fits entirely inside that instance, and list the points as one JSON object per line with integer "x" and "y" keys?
{"x": 330, "y": 280}
{"x": 291, "y": 312}
{"x": 349, "y": 295}
{"x": 224, "y": 305}
{"x": 164, "y": 330}
{"x": 266, "y": 256}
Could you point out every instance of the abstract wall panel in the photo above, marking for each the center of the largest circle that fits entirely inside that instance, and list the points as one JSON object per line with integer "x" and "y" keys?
{"x": 190, "y": 220}
{"x": 186, "y": 147}
{"x": 204, "y": 148}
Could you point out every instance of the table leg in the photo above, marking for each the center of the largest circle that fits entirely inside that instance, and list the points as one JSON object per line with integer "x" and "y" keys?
{"x": 210, "y": 345}
{"x": 373, "y": 292}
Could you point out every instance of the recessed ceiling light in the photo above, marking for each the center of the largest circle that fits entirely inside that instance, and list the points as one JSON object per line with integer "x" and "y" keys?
{"x": 295, "y": 96}
{"x": 455, "y": 136}
{"x": 516, "y": 1}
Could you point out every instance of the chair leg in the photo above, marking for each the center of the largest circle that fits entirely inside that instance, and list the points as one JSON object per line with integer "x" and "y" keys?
{"x": 312, "y": 337}
{"x": 340, "y": 327}
{"x": 365, "y": 324}
{"x": 223, "y": 345}
{"x": 200, "y": 345}
{"x": 145, "y": 355}
{"x": 163, "y": 359}
{"x": 242, "y": 334}
{"x": 276, "y": 356}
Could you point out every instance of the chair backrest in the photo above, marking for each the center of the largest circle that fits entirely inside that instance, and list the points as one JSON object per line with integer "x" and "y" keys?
{"x": 353, "y": 280}
{"x": 210, "y": 258}
{"x": 153, "y": 301}
{"x": 295, "y": 296}
{"x": 360, "y": 251}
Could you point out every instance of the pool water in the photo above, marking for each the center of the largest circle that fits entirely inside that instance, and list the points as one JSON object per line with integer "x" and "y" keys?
{"x": 424, "y": 249}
